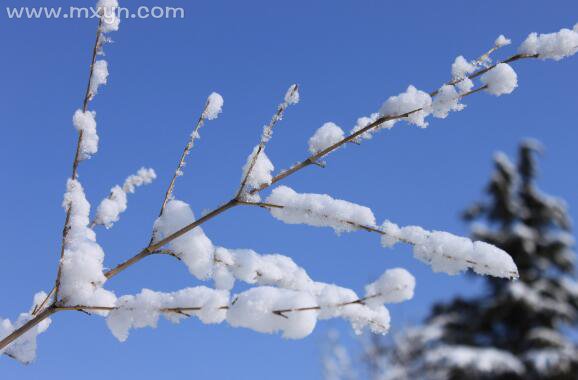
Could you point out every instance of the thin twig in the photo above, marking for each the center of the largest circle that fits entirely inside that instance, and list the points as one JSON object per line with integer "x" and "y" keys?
{"x": 233, "y": 202}
{"x": 149, "y": 250}
{"x": 282, "y": 175}
{"x": 181, "y": 165}
{"x": 265, "y": 137}
{"x": 365, "y": 228}
{"x": 87, "y": 97}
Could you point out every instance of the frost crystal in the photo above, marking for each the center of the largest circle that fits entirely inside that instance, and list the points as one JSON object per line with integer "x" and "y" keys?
{"x": 144, "y": 176}
{"x": 292, "y": 95}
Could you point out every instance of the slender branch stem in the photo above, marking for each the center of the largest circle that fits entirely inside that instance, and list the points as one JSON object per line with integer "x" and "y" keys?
{"x": 264, "y": 139}
{"x": 87, "y": 97}
{"x": 234, "y": 202}
{"x": 42, "y": 315}
{"x": 149, "y": 250}
{"x": 365, "y": 228}
{"x": 41, "y": 312}
{"x": 180, "y": 166}
{"x": 286, "y": 173}
{"x": 186, "y": 151}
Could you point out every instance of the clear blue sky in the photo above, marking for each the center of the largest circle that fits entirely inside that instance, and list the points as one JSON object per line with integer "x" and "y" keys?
{"x": 348, "y": 56}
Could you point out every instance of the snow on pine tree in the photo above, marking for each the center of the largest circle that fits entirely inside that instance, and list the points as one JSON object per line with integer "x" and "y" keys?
{"x": 514, "y": 330}
{"x": 281, "y": 297}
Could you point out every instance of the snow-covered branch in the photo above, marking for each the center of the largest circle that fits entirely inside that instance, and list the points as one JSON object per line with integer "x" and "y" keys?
{"x": 213, "y": 107}
{"x": 109, "y": 210}
{"x": 284, "y": 298}
{"x": 265, "y": 309}
{"x": 443, "y": 251}
{"x": 257, "y": 171}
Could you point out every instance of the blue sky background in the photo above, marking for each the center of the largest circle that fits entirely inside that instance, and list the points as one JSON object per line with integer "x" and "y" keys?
{"x": 348, "y": 57}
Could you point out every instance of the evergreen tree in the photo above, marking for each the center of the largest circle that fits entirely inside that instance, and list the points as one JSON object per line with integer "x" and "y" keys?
{"x": 514, "y": 330}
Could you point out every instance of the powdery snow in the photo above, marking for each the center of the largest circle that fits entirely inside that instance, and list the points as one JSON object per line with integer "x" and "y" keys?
{"x": 364, "y": 121}
{"x": 214, "y": 106}
{"x": 556, "y": 46}
{"x": 327, "y": 135}
{"x": 319, "y": 210}
{"x": 393, "y": 286}
{"x": 99, "y": 76}
{"x": 410, "y": 100}
{"x": 145, "y": 308}
{"x": 144, "y": 176}
{"x": 82, "y": 274}
{"x": 109, "y": 17}
{"x": 461, "y": 68}
{"x": 446, "y": 100}
{"x": 262, "y": 171}
{"x": 252, "y": 268}
{"x": 500, "y": 80}
{"x": 449, "y": 253}
{"x": 85, "y": 122}
{"x": 254, "y": 308}
{"x": 109, "y": 210}
{"x": 24, "y": 348}
{"x": 194, "y": 248}
{"x": 502, "y": 41}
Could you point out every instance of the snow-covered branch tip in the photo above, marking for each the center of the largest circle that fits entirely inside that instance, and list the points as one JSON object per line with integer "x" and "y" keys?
{"x": 284, "y": 298}
{"x": 443, "y": 251}
{"x": 212, "y": 110}
{"x": 109, "y": 210}
{"x": 258, "y": 170}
